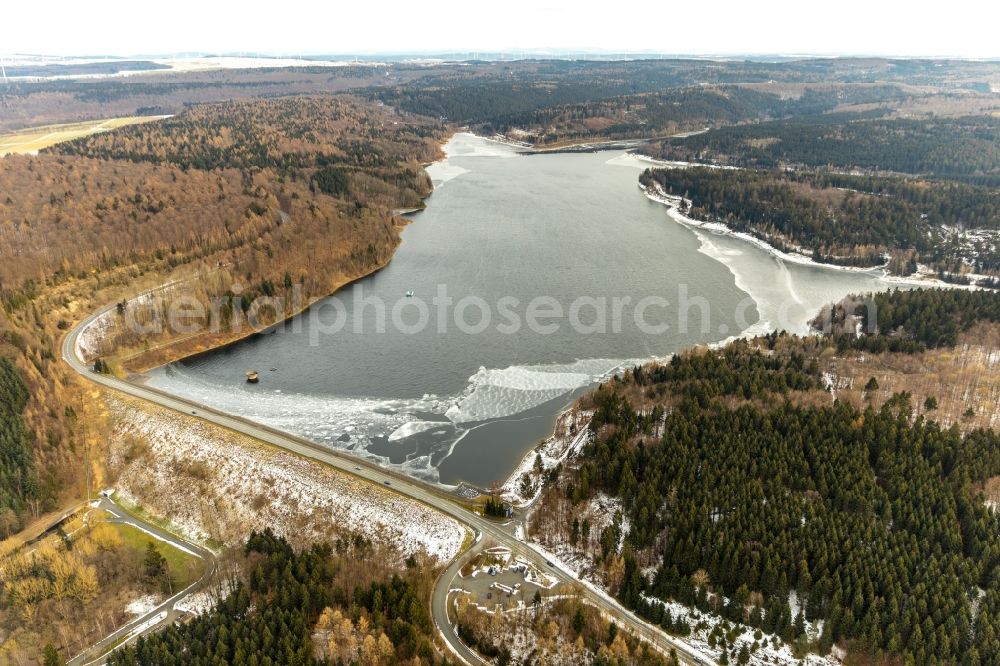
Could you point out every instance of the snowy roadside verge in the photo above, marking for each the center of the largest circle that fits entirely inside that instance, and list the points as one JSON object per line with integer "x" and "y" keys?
{"x": 212, "y": 483}
{"x": 769, "y": 650}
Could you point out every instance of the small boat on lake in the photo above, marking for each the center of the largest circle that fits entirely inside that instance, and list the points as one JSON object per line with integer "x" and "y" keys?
{"x": 409, "y": 294}
{"x": 252, "y": 377}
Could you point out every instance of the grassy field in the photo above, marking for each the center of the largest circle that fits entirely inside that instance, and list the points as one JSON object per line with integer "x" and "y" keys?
{"x": 184, "y": 569}
{"x": 31, "y": 140}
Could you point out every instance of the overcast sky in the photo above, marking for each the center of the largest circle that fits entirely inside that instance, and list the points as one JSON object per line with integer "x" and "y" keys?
{"x": 967, "y": 28}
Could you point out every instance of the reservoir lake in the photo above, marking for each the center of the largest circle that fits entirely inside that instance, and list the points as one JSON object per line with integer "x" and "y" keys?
{"x": 532, "y": 277}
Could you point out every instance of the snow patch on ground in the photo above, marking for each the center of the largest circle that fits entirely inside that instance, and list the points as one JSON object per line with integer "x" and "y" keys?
{"x": 94, "y": 341}
{"x": 572, "y": 435}
{"x": 522, "y": 641}
{"x": 600, "y": 511}
{"x": 212, "y": 483}
{"x": 197, "y": 603}
{"x": 770, "y": 650}
{"x": 89, "y": 341}
{"x": 143, "y": 605}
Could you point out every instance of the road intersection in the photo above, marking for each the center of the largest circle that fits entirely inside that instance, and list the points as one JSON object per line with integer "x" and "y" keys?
{"x": 440, "y": 498}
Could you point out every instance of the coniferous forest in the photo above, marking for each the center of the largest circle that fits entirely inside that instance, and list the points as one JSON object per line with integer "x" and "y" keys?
{"x": 751, "y": 497}
{"x": 285, "y": 614}
{"x": 870, "y": 518}
{"x": 17, "y": 469}
{"x": 843, "y": 219}
{"x": 908, "y": 321}
{"x": 965, "y": 148}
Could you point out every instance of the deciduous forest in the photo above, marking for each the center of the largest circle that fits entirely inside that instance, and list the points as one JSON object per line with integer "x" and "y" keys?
{"x": 227, "y": 194}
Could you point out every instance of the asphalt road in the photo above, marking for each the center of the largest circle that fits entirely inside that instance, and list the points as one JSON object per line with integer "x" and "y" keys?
{"x": 440, "y": 598}
{"x": 166, "y": 611}
{"x": 434, "y": 496}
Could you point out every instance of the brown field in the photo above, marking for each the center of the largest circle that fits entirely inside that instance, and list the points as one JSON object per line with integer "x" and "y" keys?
{"x": 30, "y": 141}
{"x": 951, "y": 104}
{"x": 828, "y": 196}
{"x": 965, "y": 377}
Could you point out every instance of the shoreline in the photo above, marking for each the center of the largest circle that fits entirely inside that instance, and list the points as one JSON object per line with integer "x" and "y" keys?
{"x": 140, "y": 369}
{"x": 597, "y": 144}
{"x": 512, "y": 477}
{"x": 797, "y": 258}
{"x": 510, "y": 484}
{"x": 674, "y": 213}
{"x": 570, "y": 433}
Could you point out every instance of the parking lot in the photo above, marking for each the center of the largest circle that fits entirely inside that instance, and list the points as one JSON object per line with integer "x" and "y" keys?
{"x": 496, "y": 578}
